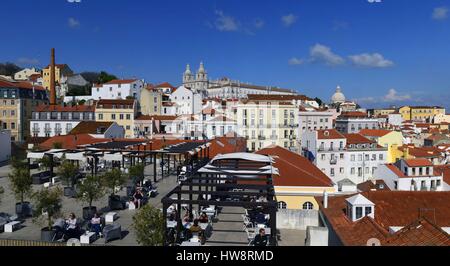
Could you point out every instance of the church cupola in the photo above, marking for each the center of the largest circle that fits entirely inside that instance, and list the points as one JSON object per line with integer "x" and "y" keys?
{"x": 201, "y": 73}
{"x": 187, "y": 76}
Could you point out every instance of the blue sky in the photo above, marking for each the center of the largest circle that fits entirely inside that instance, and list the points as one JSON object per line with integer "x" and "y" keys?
{"x": 389, "y": 53}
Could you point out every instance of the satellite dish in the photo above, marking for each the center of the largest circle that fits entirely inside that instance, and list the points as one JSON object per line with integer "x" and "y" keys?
{"x": 373, "y": 242}
{"x": 73, "y": 242}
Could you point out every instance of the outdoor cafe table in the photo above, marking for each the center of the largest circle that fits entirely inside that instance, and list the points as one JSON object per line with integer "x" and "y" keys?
{"x": 171, "y": 224}
{"x": 206, "y": 227}
{"x": 191, "y": 244}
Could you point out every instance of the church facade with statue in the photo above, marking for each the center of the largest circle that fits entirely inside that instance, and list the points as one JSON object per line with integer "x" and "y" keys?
{"x": 225, "y": 88}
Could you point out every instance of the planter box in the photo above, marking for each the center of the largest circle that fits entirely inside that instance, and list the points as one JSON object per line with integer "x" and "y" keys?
{"x": 47, "y": 235}
{"x": 115, "y": 203}
{"x": 24, "y": 210}
{"x": 69, "y": 192}
{"x": 89, "y": 213}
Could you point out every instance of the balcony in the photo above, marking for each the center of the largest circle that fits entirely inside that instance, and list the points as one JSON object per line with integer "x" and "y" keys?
{"x": 424, "y": 188}
{"x": 333, "y": 161}
{"x": 261, "y": 138}
{"x": 273, "y": 137}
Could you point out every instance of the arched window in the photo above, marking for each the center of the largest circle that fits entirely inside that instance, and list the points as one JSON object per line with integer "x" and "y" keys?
{"x": 308, "y": 206}
{"x": 282, "y": 205}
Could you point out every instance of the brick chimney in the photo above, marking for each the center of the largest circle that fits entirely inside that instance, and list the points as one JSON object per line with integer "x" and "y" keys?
{"x": 52, "y": 79}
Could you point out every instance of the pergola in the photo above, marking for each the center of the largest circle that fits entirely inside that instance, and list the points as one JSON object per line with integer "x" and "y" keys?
{"x": 240, "y": 175}
{"x": 119, "y": 151}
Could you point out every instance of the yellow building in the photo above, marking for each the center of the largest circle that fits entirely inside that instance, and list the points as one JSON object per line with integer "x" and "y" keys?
{"x": 60, "y": 71}
{"x": 269, "y": 120}
{"x": 387, "y": 139}
{"x": 17, "y": 100}
{"x": 151, "y": 101}
{"x": 299, "y": 180}
{"x": 123, "y": 112}
{"x": 421, "y": 113}
{"x": 382, "y": 111}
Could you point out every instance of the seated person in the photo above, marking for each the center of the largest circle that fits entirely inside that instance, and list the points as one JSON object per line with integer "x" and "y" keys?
{"x": 96, "y": 224}
{"x": 71, "y": 226}
{"x": 203, "y": 218}
{"x": 260, "y": 239}
{"x": 196, "y": 229}
{"x": 260, "y": 218}
{"x": 188, "y": 217}
{"x": 138, "y": 197}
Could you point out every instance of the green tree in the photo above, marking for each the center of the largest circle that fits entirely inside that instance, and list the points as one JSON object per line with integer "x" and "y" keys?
{"x": 319, "y": 101}
{"x": 68, "y": 171}
{"x": 136, "y": 173}
{"x": 113, "y": 179}
{"x": 9, "y": 69}
{"x": 45, "y": 163}
{"x": 104, "y": 77}
{"x": 1, "y": 193}
{"x": 20, "y": 181}
{"x": 148, "y": 224}
{"x": 57, "y": 145}
{"x": 90, "y": 190}
{"x": 48, "y": 204}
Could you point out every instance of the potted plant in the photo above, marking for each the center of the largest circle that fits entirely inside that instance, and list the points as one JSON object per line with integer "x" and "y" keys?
{"x": 148, "y": 224}
{"x": 112, "y": 180}
{"x": 21, "y": 185}
{"x": 48, "y": 206}
{"x": 136, "y": 173}
{"x": 90, "y": 190}
{"x": 68, "y": 171}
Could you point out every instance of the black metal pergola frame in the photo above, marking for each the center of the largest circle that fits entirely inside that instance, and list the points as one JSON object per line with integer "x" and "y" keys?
{"x": 239, "y": 175}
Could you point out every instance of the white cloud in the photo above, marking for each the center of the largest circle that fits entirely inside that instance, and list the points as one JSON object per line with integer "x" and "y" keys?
{"x": 74, "y": 1}
{"x": 294, "y": 61}
{"x": 226, "y": 23}
{"x": 370, "y": 60}
{"x": 288, "y": 20}
{"x": 393, "y": 96}
{"x": 440, "y": 13}
{"x": 323, "y": 54}
{"x": 27, "y": 61}
{"x": 73, "y": 23}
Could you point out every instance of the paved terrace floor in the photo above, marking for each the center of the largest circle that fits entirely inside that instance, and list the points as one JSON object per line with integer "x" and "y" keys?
{"x": 227, "y": 229}
{"x": 31, "y": 231}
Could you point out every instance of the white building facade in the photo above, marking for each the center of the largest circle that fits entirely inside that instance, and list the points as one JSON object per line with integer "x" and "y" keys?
{"x": 118, "y": 89}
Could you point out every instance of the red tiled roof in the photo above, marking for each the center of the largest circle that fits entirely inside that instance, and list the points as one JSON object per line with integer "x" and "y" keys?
{"x": 353, "y": 114}
{"x": 369, "y": 185}
{"x": 72, "y": 141}
{"x": 443, "y": 170}
{"x": 20, "y": 84}
{"x": 68, "y": 108}
{"x": 357, "y": 139}
{"x": 294, "y": 169}
{"x": 396, "y": 171}
{"x": 157, "y": 117}
{"x": 418, "y": 162}
{"x": 374, "y": 132}
{"x": 420, "y": 233}
{"x": 392, "y": 208}
{"x": 329, "y": 134}
{"x": 91, "y": 127}
{"x": 168, "y": 104}
{"x": 224, "y": 145}
{"x": 121, "y": 81}
{"x": 164, "y": 85}
{"x": 119, "y": 102}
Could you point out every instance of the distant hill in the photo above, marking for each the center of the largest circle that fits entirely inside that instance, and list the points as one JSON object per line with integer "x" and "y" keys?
{"x": 9, "y": 69}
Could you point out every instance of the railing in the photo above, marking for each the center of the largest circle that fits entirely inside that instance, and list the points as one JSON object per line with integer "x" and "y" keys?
{"x": 333, "y": 161}
{"x": 261, "y": 138}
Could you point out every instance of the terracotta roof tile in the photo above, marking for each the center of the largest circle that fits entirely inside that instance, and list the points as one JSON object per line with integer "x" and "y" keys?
{"x": 91, "y": 127}
{"x": 295, "y": 170}
{"x": 418, "y": 162}
{"x": 374, "y": 132}
{"x": 329, "y": 134}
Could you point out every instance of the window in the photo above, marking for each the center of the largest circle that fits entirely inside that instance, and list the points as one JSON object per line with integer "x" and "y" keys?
{"x": 308, "y": 206}
{"x": 113, "y": 116}
{"x": 100, "y": 116}
{"x": 368, "y": 210}
{"x": 381, "y": 157}
{"x": 352, "y": 171}
{"x": 359, "y": 213}
{"x": 395, "y": 185}
{"x": 282, "y": 205}
{"x": 121, "y": 116}
{"x": 128, "y": 127}
{"x": 332, "y": 172}
{"x": 13, "y": 125}
{"x": 341, "y": 156}
{"x": 341, "y": 170}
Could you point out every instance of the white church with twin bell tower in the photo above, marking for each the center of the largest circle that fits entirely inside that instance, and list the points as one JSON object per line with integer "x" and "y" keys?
{"x": 225, "y": 88}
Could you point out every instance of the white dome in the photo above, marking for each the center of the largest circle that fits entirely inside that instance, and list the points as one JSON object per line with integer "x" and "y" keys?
{"x": 338, "y": 96}
{"x": 188, "y": 70}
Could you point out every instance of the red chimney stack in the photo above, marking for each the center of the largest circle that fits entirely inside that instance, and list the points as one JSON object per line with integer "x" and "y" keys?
{"x": 52, "y": 79}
